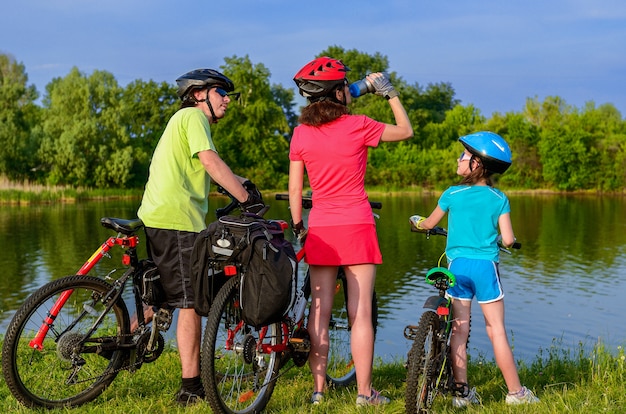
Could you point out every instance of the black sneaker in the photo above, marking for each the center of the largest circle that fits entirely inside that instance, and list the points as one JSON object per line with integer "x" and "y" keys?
{"x": 185, "y": 397}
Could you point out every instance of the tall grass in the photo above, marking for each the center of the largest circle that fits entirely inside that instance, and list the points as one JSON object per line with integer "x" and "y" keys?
{"x": 566, "y": 381}
{"x": 25, "y": 193}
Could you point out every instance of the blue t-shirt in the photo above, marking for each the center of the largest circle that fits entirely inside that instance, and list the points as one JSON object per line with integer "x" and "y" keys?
{"x": 473, "y": 212}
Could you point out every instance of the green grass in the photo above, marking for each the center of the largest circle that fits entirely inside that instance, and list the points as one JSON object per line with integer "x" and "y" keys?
{"x": 566, "y": 381}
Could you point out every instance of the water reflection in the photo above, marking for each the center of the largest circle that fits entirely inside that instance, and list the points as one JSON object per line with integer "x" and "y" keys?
{"x": 566, "y": 283}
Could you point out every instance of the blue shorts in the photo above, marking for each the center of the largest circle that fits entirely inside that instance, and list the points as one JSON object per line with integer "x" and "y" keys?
{"x": 476, "y": 277}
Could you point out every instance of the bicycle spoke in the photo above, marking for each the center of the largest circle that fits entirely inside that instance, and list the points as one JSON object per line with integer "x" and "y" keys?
{"x": 66, "y": 371}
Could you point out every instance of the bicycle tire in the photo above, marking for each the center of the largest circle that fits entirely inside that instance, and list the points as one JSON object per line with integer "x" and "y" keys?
{"x": 58, "y": 376}
{"x": 340, "y": 370}
{"x": 421, "y": 381}
{"x": 237, "y": 380}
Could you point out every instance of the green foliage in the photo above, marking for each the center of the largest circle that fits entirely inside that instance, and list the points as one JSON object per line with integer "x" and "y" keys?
{"x": 252, "y": 137}
{"x": 18, "y": 115}
{"x": 83, "y": 132}
{"x": 91, "y": 132}
{"x": 145, "y": 108}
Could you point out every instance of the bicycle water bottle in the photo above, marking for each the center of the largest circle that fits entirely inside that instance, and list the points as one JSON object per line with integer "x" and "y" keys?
{"x": 361, "y": 87}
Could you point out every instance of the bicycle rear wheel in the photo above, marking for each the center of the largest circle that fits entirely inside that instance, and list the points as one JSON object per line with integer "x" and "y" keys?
{"x": 70, "y": 370}
{"x": 340, "y": 371}
{"x": 238, "y": 374}
{"x": 421, "y": 380}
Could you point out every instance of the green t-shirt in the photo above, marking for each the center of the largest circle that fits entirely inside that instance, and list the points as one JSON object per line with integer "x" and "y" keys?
{"x": 175, "y": 197}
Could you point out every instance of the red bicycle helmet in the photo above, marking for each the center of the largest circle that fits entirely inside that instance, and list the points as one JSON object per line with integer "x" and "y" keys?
{"x": 320, "y": 77}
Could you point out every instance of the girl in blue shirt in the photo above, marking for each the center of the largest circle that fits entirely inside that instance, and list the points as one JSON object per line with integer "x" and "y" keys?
{"x": 476, "y": 210}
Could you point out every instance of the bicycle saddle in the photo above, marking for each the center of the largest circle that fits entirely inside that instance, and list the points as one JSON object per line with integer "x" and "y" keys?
{"x": 123, "y": 226}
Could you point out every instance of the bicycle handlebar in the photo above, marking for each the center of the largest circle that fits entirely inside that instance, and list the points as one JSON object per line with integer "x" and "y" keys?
{"x": 307, "y": 201}
{"x": 233, "y": 205}
{"x": 440, "y": 231}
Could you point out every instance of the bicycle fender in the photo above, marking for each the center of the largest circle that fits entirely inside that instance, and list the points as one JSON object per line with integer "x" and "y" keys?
{"x": 433, "y": 302}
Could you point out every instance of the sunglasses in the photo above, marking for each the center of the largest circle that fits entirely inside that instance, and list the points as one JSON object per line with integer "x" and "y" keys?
{"x": 223, "y": 94}
{"x": 464, "y": 157}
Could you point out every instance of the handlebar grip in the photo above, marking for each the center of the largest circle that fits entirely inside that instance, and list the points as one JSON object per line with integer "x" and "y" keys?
{"x": 224, "y": 211}
{"x": 282, "y": 197}
{"x": 439, "y": 231}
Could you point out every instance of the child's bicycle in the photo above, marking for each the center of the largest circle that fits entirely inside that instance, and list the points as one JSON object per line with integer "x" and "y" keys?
{"x": 72, "y": 336}
{"x": 240, "y": 364}
{"x": 429, "y": 371}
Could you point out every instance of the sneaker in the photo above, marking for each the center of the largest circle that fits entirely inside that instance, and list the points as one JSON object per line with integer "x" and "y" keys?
{"x": 317, "y": 398}
{"x": 523, "y": 396}
{"x": 471, "y": 398}
{"x": 374, "y": 399}
{"x": 185, "y": 397}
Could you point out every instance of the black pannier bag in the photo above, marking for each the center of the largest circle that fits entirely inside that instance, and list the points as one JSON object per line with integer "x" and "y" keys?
{"x": 267, "y": 264}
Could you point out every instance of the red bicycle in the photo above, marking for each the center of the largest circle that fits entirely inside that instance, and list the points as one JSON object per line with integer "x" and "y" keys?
{"x": 72, "y": 336}
{"x": 240, "y": 364}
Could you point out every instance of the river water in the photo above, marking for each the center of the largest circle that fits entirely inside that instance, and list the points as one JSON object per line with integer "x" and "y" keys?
{"x": 566, "y": 287}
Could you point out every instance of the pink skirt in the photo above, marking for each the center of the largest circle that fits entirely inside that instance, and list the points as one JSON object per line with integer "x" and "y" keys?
{"x": 342, "y": 245}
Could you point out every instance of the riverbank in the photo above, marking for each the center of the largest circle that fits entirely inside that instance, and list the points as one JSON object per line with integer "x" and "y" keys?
{"x": 11, "y": 194}
{"x": 572, "y": 381}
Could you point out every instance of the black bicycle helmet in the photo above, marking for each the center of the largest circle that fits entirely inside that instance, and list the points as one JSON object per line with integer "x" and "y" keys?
{"x": 491, "y": 148}
{"x": 320, "y": 77}
{"x": 202, "y": 78}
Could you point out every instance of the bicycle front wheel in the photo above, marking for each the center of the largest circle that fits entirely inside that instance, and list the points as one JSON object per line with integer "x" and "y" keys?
{"x": 71, "y": 368}
{"x": 340, "y": 370}
{"x": 421, "y": 381}
{"x": 238, "y": 370}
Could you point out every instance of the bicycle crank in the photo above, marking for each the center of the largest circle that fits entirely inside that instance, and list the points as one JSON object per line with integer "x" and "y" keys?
{"x": 300, "y": 346}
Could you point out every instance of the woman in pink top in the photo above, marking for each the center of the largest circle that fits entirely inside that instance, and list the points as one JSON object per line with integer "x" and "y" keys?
{"x": 331, "y": 144}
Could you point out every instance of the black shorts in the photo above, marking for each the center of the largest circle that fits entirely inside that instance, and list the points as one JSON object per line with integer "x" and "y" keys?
{"x": 171, "y": 252}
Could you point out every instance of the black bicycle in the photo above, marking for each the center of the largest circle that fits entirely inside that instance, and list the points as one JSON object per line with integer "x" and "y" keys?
{"x": 429, "y": 371}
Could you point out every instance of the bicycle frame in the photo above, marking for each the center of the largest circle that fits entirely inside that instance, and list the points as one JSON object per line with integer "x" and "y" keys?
{"x": 126, "y": 241}
{"x": 264, "y": 347}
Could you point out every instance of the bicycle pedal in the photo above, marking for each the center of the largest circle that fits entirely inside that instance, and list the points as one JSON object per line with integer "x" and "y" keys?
{"x": 300, "y": 344}
{"x": 410, "y": 331}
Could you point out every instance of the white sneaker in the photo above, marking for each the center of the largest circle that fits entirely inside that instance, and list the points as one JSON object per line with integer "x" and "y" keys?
{"x": 317, "y": 398}
{"x": 472, "y": 397}
{"x": 523, "y": 396}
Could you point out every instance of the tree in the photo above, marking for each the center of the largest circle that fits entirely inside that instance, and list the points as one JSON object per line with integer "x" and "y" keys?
{"x": 523, "y": 137}
{"x": 145, "y": 108}
{"x": 85, "y": 143}
{"x": 251, "y": 138}
{"x": 18, "y": 115}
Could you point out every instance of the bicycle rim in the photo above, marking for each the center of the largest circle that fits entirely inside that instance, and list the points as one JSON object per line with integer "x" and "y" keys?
{"x": 237, "y": 378}
{"x": 67, "y": 371}
{"x": 421, "y": 384}
{"x": 340, "y": 370}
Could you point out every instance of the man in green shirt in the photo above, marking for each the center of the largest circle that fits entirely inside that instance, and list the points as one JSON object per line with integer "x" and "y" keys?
{"x": 175, "y": 204}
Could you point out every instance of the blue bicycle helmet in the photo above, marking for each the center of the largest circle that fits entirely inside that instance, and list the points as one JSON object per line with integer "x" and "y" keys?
{"x": 491, "y": 148}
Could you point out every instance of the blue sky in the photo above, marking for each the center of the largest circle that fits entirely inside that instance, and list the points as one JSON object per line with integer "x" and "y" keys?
{"x": 494, "y": 53}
